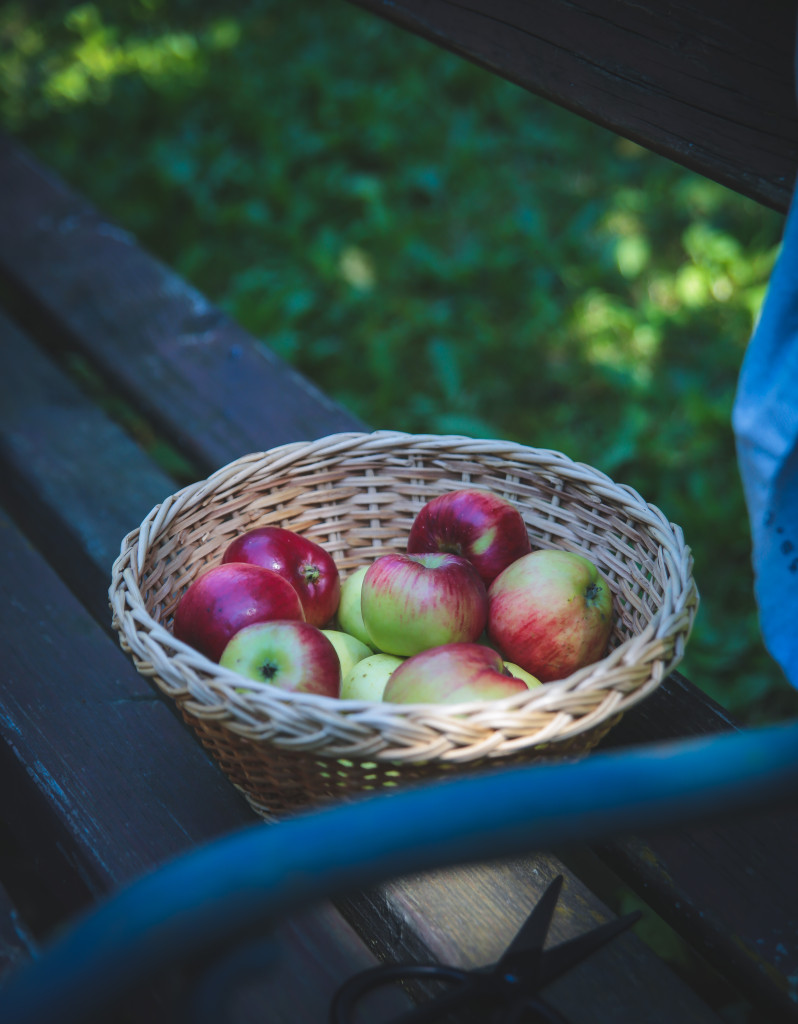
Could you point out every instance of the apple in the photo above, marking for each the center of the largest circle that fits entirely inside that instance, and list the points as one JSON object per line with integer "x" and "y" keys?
{"x": 451, "y": 674}
{"x": 349, "y": 649}
{"x": 350, "y": 616}
{"x": 478, "y": 525}
{"x": 521, "y": 673}
{"x": 229, "y": 597}
{"x": 287, "y": 653}
{"x": 367, "y": 680}
{"x": 411, "y": 602}
{"x": 309, "y": 569}
{"x": 551, "y": 613}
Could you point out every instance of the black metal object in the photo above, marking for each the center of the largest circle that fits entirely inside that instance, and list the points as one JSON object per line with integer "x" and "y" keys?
{"x": 509, "y": 990}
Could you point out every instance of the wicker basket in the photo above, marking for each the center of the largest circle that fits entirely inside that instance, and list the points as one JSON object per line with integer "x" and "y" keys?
{"x": 357, "y": 495}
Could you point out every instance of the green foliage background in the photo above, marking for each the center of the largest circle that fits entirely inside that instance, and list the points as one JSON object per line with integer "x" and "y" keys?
{"x": 436, "y": 248}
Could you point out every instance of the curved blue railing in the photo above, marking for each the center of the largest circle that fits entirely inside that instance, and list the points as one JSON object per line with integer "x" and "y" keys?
{"x": 213, "y": 895}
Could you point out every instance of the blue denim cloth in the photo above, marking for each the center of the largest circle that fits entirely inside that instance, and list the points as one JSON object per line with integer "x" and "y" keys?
{"x": 765, "y": 422}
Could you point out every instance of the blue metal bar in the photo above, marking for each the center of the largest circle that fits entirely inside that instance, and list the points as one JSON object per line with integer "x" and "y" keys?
{"x": 212, "y": 895}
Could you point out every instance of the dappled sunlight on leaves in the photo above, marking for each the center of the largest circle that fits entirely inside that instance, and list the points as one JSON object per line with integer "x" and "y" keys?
{"x": 85, "y": 55}
{"x": 357, "y": 268}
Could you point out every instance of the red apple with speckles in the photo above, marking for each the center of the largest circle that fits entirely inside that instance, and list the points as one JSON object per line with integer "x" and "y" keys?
{"x": 478, "y": 525}
{"x": 309, "y": 569}
{"x": 411, "y": 602}
{"x": 451, "y": 674}
{"x": 229, "y": 597}
{"x": 551, "y": 613}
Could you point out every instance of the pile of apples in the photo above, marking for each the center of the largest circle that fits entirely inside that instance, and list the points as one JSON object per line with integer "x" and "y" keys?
{"x": 468, "y": 612}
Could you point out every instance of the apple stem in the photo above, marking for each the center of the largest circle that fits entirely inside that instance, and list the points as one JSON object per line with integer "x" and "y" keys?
{"x": 593, "y": 592}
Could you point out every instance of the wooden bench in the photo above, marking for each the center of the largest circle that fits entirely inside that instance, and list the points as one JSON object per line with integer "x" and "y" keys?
{"x": 103, "y": 782}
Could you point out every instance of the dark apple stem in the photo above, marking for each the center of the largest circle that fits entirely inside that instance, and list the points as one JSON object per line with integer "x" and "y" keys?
{"x": 592, "y": 592}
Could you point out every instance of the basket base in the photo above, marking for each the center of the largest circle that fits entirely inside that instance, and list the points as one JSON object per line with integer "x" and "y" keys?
{"x": 278, "y": 783}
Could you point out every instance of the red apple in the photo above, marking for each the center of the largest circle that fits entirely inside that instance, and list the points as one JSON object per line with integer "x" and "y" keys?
{"x": 309, "y": 569}
{"x": 551, "y": 613}
{"x": 478, "y": 525}
{"x": 411, "y": 602}
{"x": 452, "y": 674}
{"x": 228, "y": 598}
{"x": 287, "y": 653}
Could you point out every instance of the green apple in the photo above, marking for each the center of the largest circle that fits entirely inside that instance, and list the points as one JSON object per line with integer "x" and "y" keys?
{"x": 350, "y": 617}
{"x": 521, "y": 673}
{"x": 349, "y": 649}
{"x": 368, "y": 679}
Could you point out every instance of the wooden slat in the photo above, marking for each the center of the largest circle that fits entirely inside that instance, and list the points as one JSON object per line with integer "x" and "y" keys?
{"x": 208, "y": 384}
{"x": 707, "y": 83}
{"x": 86, "y": 781}
{"x": 105, "y": 783}
{"x": 49, "y": 430}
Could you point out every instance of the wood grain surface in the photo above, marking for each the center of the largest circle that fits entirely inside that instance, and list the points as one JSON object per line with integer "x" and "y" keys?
{"x": 708, "y": 84}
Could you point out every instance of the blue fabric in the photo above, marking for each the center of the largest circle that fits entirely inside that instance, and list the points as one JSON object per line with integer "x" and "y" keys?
{"x": 765, "y": 423}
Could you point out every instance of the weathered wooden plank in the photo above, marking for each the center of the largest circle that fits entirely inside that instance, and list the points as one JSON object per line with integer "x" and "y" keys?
{"x": 748, "y": 932}
{"x": 661, "y": 716}
{"x": 708, "y": 84}
{"x": 74, "y": 478}
{"x": 104, "y": 782}
{"x": 79, "y": 483}
{"x": 209, "y": 385}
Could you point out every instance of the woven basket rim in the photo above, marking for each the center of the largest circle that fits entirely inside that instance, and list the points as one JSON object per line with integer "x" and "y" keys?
{"x": 194, "y": 677}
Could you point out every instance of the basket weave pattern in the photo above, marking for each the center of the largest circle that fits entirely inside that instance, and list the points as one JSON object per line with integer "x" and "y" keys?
{"x": 357, "y": 495}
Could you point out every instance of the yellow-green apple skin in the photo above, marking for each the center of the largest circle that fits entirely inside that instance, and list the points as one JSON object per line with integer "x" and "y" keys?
{"x": 412, "y": 602}
{"x": 481, "y": 526}
{"x": 350, "y": 616}
{"x": 521, "y": 673}
{"x": 452, "y": 674}
{"x": 349, "y": 649}
{"x": 292, "y": 655}
{"x": 551, "y": 613}
{"x": 368, "y": 678}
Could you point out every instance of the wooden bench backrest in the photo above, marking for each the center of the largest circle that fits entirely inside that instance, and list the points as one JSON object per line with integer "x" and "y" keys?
{"x": 708, "y": 83}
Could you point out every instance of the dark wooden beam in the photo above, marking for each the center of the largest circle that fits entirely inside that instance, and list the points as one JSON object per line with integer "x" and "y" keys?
{"x": 185, "y": 366}
{"x": 708, "y": 83}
